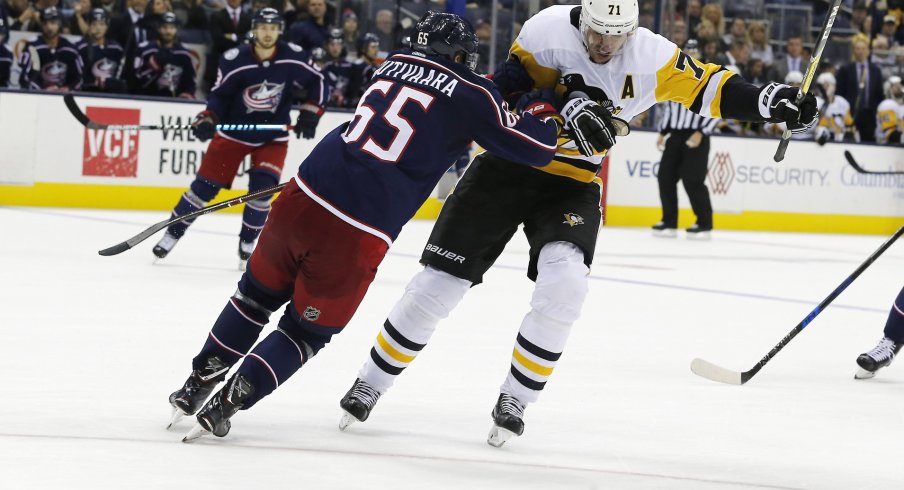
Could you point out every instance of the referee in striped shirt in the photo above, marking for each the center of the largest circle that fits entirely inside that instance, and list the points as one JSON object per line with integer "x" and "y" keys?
{"x": 684, "y": 142}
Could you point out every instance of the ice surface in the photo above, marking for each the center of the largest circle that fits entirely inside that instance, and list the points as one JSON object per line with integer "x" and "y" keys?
{"x": 92, "y": 346}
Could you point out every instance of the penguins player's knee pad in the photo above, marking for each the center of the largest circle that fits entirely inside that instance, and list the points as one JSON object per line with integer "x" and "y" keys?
{"x": 430, "y": 296}
{"x": 561, "y": 284}
{"x": 261, "y": 179}
{"x": 204, "y": 189}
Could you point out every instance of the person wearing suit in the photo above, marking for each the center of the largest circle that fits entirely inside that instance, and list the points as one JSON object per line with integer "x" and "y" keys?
{"x": 792, "y": 60}
{"x": 228, "y": 28}
{"x": 860, "y": 82}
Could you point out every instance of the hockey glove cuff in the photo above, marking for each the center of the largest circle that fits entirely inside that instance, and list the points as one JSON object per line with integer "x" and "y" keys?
{"x": 589, "y": 125}
{"x": 542, "y": 104}
{"x": 204, "y": 126}
{"x": 512, "y": 80}
{"x": 308, "y": 118}
{"x": 777, "y": 105}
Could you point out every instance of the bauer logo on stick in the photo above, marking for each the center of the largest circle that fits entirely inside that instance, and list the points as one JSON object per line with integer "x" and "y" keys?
{"x": 111, "y": 152}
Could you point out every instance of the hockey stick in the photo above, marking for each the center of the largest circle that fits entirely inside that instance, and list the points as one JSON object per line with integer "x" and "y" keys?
{"x": 858, "y": 168}
{"x": 135, "y": 240}
{"x": 808, "y": 77}
{"x": 709, "y": 370}
{"x": 77, "y": 113}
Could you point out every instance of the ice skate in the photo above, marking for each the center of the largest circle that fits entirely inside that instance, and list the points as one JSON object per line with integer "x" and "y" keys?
{"x": 881, "y": 356}
{"x": 508, "y": 420}
{"x": 697, "y": 232}
{"x": 165, "y": 245}
{"x": 199, "y": 385}
{"x": 245, "y": 250}
{"x": 662, "y": 231}
{"x": 357, "y": 403}
{"x": 214, "y": 417}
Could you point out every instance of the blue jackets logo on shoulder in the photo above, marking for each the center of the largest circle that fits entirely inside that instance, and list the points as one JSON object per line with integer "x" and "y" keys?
{"x": 263, "y": 96}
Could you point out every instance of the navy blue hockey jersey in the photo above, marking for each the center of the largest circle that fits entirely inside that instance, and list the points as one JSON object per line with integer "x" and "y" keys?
{"x": 347, "y": 82}
{"x": 253, "y": 91}
{"x": 6, "y": 64}
{"x": 418, "y": 115}
{"x": 99, "y": 62}
{"x": 42, "y": 67}
{"x": 165, "y": 72}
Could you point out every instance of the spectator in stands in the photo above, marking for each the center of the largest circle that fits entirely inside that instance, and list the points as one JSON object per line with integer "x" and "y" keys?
{"x": 384, "y": 26}
{"x": 792, "y": 60}
{"x": 228, "y": 27}
{"x": 860, "y": 21}
{"x": 760, "y": 48}
{"x": 111, "y": 6}
{"x": 679, "y": 33}
{"x": 891, "y": 31}
{"x": 313, "y": 32}
{"x": 49, "y": 61}
{"x": 127, "y": 29}
{"x": 860, "y": 82}
{"x": 153, "y": 17}
{"x": 191, "y": 14}
{"x": 738, "y": 54}
{"x": 711, "y": 50}
{"x": 755, "y": 72}
{"x": 350, "y": 32}
{"x": 706, "y": 30}
{"x": 884, "y": 57}
{"x": 23, "y": 16}
{"x": 694, "y": 14}
{"x": 6, "y": 56}
{"x": 164, "y": 67}
{"x": 78, "y": 23}
{"x": 737, "y": 31}
{"x": 101, "y": 57}
{"x": 713, "y": 13}
{"x": 484, "y": 32}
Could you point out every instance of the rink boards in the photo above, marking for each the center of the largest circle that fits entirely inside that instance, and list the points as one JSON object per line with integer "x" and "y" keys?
{"x": 48, "y": 159}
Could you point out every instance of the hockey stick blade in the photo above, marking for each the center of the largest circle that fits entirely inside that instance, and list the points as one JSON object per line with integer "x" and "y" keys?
{"x": 712, "y": 372}
{"x": 74, "y": 109}
{"x": 135, "y": 240}
{"x": 853, "y": 163}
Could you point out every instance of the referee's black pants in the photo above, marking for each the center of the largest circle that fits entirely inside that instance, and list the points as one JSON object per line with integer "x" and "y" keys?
{"x": 688, "y": 165}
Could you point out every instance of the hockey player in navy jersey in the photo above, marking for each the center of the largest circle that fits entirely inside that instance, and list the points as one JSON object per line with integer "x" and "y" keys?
{"x": 331, "y": 226}
{"x": 50, "y": 62}
{"x": 101, "y": 57}
{"x": 880, "y": 356}
{"x": 6, "y": 56}
{"x": 254, "y": 86}
{"x": 164, "y": 67}
{"x": 346, "y": 80}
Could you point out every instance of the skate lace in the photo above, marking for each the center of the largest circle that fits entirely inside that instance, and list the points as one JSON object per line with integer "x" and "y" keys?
{"x": 885, "y": 350}
{"x": 510, "y": 405}
{"x": 365, "y": 393}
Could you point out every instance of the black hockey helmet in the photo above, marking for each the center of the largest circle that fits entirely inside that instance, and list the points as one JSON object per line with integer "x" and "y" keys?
{"x": 335, "y": 36}
{"x": 448, "y": 35}
{"x": 268, "y": 15}
{"x": 97, "y": 14}
{"x": 50, "y": 13}
{"x": 365, "y": 40}
{"x": 168, "y": 18}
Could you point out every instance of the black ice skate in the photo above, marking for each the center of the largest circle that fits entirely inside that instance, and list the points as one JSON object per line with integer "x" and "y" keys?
{"x": 214, "y": 417}
{"x": 876, "y": 359}
{"x": 698, "y": 232}
{"x": 662, "y": 230}
{"x": 357, "y": 403}
{"x": 199, "y": 385}
{"x": 245, "y": 250}
{"x": 508, "y": 415}
{"x": 165, "y": 245}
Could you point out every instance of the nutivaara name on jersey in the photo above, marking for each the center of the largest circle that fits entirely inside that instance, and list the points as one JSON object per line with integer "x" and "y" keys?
{"x": 412, "y": 73}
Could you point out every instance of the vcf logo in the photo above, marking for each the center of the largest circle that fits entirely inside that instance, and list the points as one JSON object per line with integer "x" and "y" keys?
{"x": 721, "y": 173}
{"x": 111, "y": 152}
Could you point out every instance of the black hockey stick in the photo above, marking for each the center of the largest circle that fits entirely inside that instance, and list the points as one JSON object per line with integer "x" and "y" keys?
{"x": 83, "y": 118}
{"x": 135, "y": 240}
{"x": 858, "y": 168}
{"x": 709, "y": 370}
{"x": 808, "y": 76}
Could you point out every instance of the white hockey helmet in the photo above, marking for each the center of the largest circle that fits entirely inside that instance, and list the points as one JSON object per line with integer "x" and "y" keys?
{"x": 606, "y": 25}
{"x": 893, "y": 88}
{"x": 794, "y": 78}
{"x": 826, "y": 78}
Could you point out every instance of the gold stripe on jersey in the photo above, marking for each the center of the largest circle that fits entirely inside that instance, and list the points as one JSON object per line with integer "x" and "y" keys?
{"x": 392, "y": 351}
{"x": 543, "y": 76}
{"x": 532, "y": 366}
{"x": 888, "y": 120}
{"x": 685, "y": 80}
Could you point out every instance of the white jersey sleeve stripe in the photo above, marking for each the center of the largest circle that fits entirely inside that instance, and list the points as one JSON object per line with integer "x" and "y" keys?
{"x": 712, "y": 90}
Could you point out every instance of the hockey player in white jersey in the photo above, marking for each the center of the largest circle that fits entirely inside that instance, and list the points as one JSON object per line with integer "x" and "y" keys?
{"x": 835, "y": 120}
{"x": 593, "y": 51}
{"x": 890, "y": 114}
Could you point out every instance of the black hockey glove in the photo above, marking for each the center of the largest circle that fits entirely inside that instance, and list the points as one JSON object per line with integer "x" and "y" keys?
{"x": 541, "y": 104}
{"x": 779, "y": 99}
{"x": 822, "y": 135}
{"x": 203, "y": 127}
{"x": 308, "y": 118}
{"x": 589, "y": 125}
{"x": 512, "y": 80}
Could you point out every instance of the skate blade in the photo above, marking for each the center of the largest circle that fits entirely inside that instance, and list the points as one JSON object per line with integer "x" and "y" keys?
{"x": 499, "y": 435}
{"x": 346, "y": 420}
{"x": 195, "y": 433}
{"x": 701, "y": 236}
{"x": 665, "y": 233}
{"x": 175, "y": 416}
{"x": 864, "y": 374}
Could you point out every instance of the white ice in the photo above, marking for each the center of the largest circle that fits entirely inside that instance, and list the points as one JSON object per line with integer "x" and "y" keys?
{"x": 92, "y": 346}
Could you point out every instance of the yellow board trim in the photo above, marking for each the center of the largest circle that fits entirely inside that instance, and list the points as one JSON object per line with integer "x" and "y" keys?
{"x": 762, "y": 221}
{"x": 533, "y": 366}
{"x": 100, "y": 196}
{"x": 395, "y": 354}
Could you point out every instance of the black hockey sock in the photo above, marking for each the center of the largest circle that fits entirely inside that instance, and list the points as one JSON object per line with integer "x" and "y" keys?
{"x": 894, "y": 327}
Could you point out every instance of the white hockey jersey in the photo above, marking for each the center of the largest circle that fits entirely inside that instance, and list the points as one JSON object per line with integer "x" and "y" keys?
{"x": 889, "y": 118}
{"x": 836, "y": 116}
{"x": 649, "y": 69}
